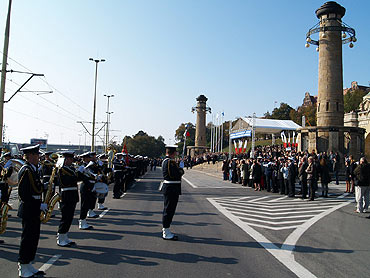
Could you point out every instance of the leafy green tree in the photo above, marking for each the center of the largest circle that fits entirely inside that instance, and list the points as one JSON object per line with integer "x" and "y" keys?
{"x": 281, "y": 113}
{"x": 352, "y": 100}
{"x": 145, "y": 145}
{"x": 309, "y": 112}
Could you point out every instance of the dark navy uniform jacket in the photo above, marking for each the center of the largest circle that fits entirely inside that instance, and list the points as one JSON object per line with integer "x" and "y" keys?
{"x": 87, "y": 181}
{"x": 171, "y": 172}
{"x": 68, "y": 184}
{"x": 46, "y": 170}
{"x": 30, "y": 192}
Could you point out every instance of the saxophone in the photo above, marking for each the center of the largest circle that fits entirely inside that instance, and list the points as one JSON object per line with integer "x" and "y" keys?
{"x": 49, "y": 199}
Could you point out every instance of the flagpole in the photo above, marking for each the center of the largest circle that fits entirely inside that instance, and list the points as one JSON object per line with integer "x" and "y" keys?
{"x": 230, "y": 126}
{"x": 212, "y": 133}
{"x": 219, "y": 133}
{"x": 222, "y": 131}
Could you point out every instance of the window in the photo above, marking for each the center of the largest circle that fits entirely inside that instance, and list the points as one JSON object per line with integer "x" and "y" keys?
{"x": 327, "y": 106}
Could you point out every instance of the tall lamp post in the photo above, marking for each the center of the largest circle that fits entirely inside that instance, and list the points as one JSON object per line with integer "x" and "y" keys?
{"x": 97, "y": 61}
{"x": 108, "y": 119}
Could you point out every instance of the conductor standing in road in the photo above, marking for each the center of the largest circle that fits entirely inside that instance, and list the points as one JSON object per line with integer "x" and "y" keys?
{"x": 171, "y": 189}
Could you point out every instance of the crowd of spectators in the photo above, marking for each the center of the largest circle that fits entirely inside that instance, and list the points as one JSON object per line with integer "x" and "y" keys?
{"x": 277, "y": 169}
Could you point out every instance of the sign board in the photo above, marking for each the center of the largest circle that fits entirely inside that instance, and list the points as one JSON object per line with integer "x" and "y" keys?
{"x": 42, "y": 142}
{"x": 240, "y": 134}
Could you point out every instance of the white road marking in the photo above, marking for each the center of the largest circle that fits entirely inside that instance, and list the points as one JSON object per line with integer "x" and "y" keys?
{"x": 273, "y": 213}
{"x": 278, "y": 199}
{"x": 191, "y": 184}
{"x": 239, "y": 212}
{"x": 103, "y": 213}
{"x": 49, "y": 263}
{"x": 282, "y": 255}
{"x": 259, "y": 199}
{"x": 241, "y": 199}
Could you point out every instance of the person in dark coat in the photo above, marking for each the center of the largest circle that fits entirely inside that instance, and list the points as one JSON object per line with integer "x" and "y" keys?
{"x": 30, "y": 191}
{"x": 292, "y": 177}
{"x": 68, "y": 178}
{"x": 234, "y": 174}
{"x": 302, "y": 175}
{"x": 325, "y": 177}
{"x": 268, "y": 174}
{"x": 362, "y": 181}
{"x": 311, "y": 177}
{"x": 336, "y": 164}
{"x": 348, "y": 176}
{"x": 256, "y": 175}
{"x": 225, "y": 169}
{"x": 171, "y": 189}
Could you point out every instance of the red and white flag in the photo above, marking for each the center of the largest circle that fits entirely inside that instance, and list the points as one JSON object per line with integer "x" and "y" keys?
{"x": 240, "y": 146}
{"x": 245, "y": 146}
{"x": 236, "y": 148}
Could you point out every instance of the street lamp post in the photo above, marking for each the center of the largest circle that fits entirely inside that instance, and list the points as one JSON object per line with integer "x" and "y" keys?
{"x": 94, "y": 107}
{"x": 108, "y": 119}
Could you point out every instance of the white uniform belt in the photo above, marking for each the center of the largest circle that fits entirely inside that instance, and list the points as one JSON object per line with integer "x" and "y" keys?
{"x": 171, "y": 181}
{"x": 46, "y": 176}
{"x": 36, "y": 197}
{"x": 68, "y": 188}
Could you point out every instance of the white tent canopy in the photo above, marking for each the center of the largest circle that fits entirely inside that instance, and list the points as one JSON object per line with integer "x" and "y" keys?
{"x": 269, "y": 126}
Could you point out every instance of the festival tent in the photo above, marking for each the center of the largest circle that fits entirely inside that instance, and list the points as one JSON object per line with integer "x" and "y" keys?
{"x": 267, "y": 126}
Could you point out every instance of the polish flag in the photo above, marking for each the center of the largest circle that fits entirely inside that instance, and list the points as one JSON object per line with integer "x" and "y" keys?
{"x": 236, "y": 148}
{"x": 240, "y": 146}
{"x": 245, "y": 146}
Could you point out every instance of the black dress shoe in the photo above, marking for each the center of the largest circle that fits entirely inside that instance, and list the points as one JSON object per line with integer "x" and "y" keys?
{"x": 1, "y": 241}
{"x": 116, "y": 197}
{"x": 39, "y": 273}
{"x": 174, "y": 238}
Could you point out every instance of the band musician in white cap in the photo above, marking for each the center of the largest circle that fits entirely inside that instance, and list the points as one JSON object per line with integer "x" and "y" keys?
{"x": 171, "y": 189}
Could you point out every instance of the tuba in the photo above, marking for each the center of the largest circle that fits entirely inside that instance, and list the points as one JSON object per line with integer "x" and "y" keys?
{"x": 50, "y": 199}
{"x": 12, "y": 180}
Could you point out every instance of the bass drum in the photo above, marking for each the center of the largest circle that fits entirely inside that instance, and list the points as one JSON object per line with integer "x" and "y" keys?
{"x": 101, "y": 189}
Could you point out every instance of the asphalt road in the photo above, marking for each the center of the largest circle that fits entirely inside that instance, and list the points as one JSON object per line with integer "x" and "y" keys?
{"x": 224, "y": 230}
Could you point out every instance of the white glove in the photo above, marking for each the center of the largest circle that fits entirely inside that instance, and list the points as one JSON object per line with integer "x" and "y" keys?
{"x": 44, "y": 207}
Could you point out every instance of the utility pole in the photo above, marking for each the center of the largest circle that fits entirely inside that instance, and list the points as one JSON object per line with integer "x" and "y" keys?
{"x": 3, "y": 72}
{"x": 97, "y": 61}
{"x": 108, "y": 119}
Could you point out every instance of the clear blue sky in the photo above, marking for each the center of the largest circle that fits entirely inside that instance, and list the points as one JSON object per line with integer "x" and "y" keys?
{"x": 160, "y": 55}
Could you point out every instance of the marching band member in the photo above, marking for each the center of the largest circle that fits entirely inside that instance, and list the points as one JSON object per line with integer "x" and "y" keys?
{"x": 45, "y": 170}
{"x": 86, "y": 191}
{"x": 67, "y": 177}
{"x": 92, "y": 202}
{"x": 99, "y": 170}
{"x": 118, "y": 166}
{"x": 171, "y": 189}
{"x": 30, "y": 193}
